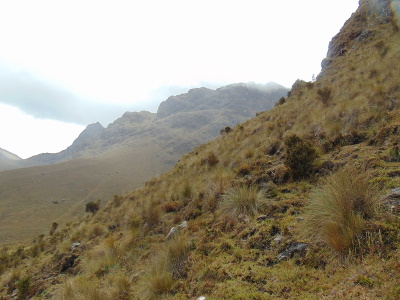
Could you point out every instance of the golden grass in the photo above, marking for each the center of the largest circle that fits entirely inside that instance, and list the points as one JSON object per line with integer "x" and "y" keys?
{"x": 339, "y": 208}
{"x": 82, "y": 288}
{"x": 167, "y": 266}
{"x": 241, "y": 201}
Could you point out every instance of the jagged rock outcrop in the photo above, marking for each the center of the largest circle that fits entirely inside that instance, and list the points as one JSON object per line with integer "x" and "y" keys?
{"x": 357, "y": 28}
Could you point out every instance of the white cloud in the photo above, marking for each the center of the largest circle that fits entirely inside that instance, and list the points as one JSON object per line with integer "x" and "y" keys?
{"x": 25, "y": 135}
{"x": 93, "y": 55}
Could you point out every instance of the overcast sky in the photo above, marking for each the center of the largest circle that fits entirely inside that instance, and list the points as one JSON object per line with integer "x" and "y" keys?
{"x": 66, "y": 64}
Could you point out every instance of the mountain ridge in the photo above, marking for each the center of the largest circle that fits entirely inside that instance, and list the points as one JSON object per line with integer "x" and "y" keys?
{"x": 103, "y": 162}
{"x": 231, "y": 97}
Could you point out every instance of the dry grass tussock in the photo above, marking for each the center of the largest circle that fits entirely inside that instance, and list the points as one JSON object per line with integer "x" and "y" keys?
{"x": 168, "y": 265}
{"x": 82, "y": 288}
{"x": 338, "y": 209}
{"x": 241, "y": 201}
{"x": 102, "y": 258}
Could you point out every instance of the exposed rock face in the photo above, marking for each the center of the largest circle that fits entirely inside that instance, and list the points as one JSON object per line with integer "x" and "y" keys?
{"x": 174, "y": 230}
{"x": 183, "y": 102}
{"x": 242, "y": 98}
{"x": 392, "y": 201}
{"x": 293, "y": 249}
{"x": 356, "y": 29}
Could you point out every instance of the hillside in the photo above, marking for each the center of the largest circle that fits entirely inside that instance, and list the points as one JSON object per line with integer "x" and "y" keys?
{"x": 300, "y": 202}
{"x": 103, "y": 162}
{"x": 8, "y": 160}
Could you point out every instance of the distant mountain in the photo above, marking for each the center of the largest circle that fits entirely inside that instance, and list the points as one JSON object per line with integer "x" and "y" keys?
{"x": 8, "y": 160}
{"x": 103, "y": 162}
{"x": 181, "y": 122}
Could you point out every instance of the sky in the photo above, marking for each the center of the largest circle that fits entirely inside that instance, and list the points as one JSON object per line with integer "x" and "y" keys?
{"x": 67, "y": 64}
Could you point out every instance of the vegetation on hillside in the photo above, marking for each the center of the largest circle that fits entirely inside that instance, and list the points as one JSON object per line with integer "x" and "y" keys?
{"x": 293, "y": 204}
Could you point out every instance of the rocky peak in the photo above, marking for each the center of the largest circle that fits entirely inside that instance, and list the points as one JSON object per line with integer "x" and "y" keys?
{"x": 237, "y": 96}
{"x": 131, "y": 118}
{"x": 182, "y": 102}
{"x": 360, "y": 26}
{"x": 92, "y": 130}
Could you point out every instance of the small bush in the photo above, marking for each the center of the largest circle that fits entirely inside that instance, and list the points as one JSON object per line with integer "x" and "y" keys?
{"x": 273, "y": 147}
{"x": 226, "y": 130}
{"x": 24, "y": 286}
{"x": 212, "y": 159}
{"x": 395, "y": 154}
{"x": 281, "y": 101}
{"x": 54, "y": 227}
{"x": 92, "y": 207}
{"x": 339, "y": 208}
{"x": 324, "y": 94}
{"x": 243, "y": 169}
{"x": 300, "y": 156}
{"x": 117, "y": 200}
{"x": 241, "y": 201}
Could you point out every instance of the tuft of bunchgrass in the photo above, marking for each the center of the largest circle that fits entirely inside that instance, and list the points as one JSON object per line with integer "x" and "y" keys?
{"x": 339, "y": 209}
{"x": 81, "y": 287}
{"x": 168, "y": 265}
{"x": 241, "y": 201}
{"x": 157, "y": 283}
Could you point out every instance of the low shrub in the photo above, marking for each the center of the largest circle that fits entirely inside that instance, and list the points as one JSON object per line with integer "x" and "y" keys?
{"x": 24, "y": 286}
{"x": 325, "y": 94}
{"x": 281, "y": 101}
{"x": 212, "y": 159}
{"x": 226, "y": 130}
{"x": 92, "y": 207}
{"x": 395, "y": 154}
{"x": 300, "y": 156}
{"x": 54, "y": 227}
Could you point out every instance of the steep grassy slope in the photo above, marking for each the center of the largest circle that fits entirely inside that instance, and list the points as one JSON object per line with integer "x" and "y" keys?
{"x": 255, "y": 228}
